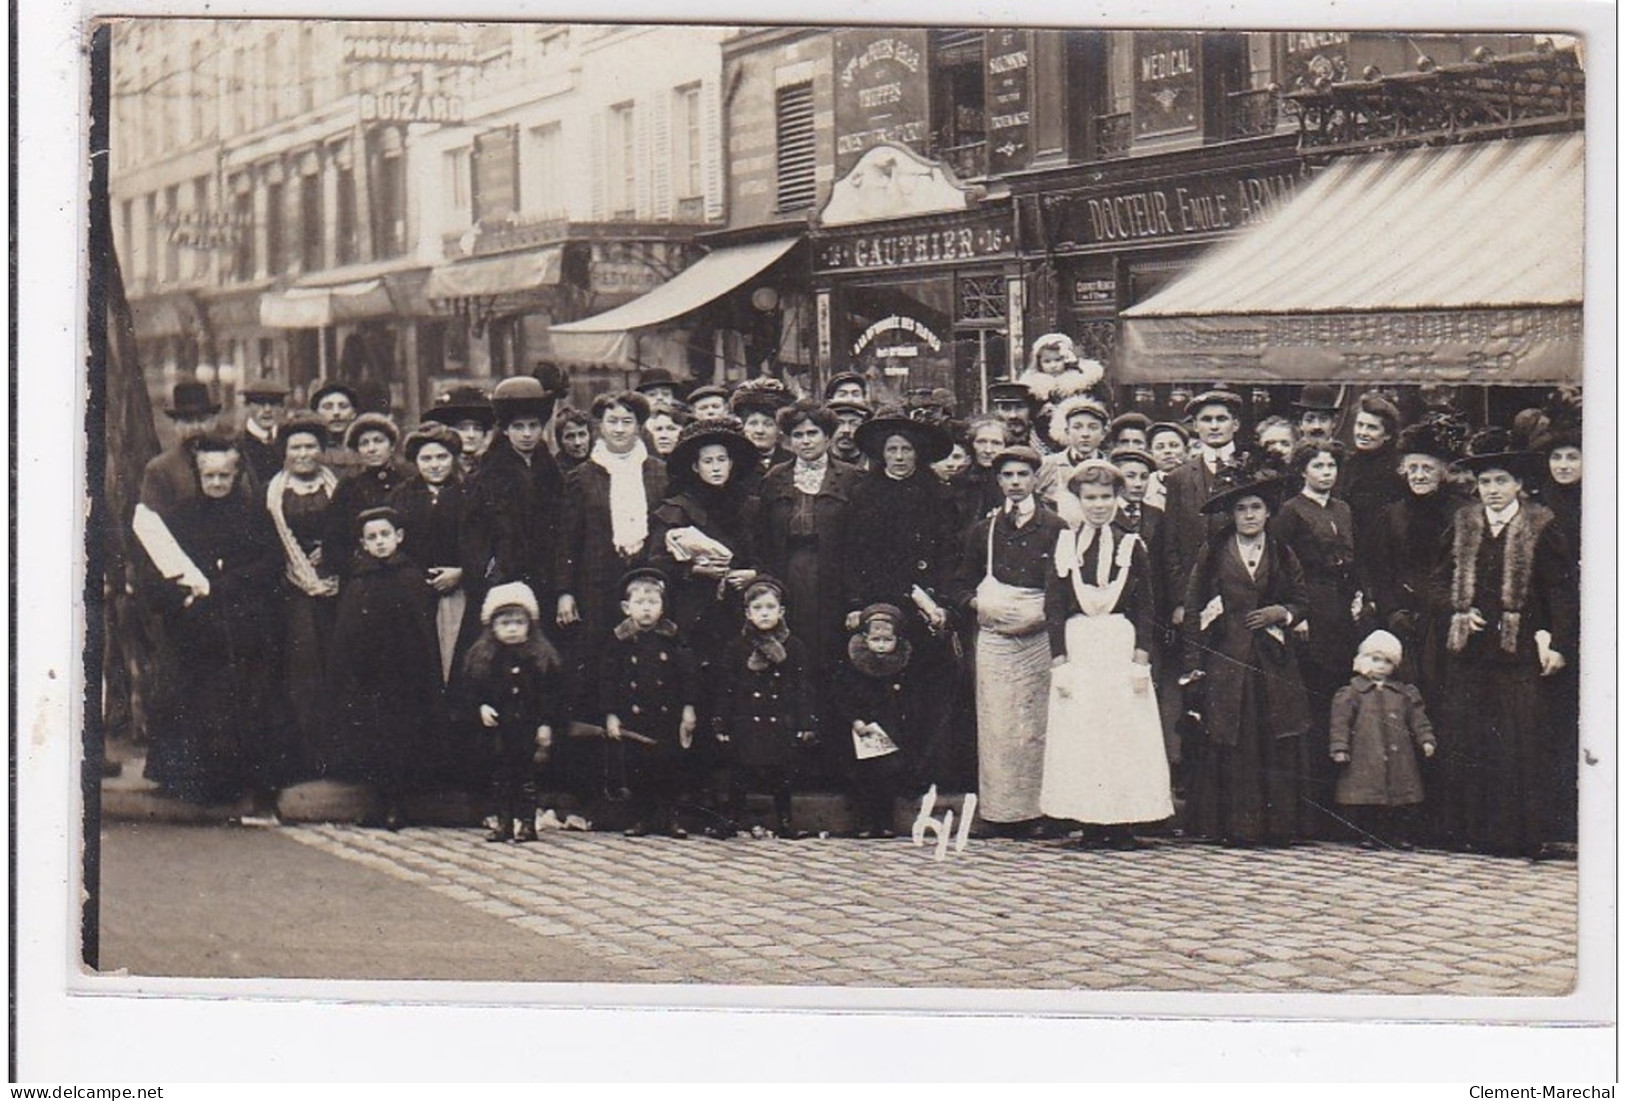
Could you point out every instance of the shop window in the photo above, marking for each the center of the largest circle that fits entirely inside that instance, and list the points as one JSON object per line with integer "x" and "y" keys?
{"x": 797, "y": 155}
{"x": 1231, "y": 108}
{"x": 981, "y": 298}
{"x": 172, "y": 247}
{"x": 958, "y": 101}
{"x": 310, "y": 222}
{"x": 275, "y": 246}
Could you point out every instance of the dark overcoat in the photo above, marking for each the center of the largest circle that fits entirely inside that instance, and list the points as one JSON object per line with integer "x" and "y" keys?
{"x": 1381, "y": 727}
{"x": 1185, "y": 530}
{"x": 588, "y": 566}
{"x": 646, "y": 678}
{"x": 1405, "y": 554}
{"x": 707, "y": 612}
{"x": 514, "y": 511}
{"x": 899, "y": 533}
{"x": 762, "y": 710}
{"x": 1321, "y": 537}
{"x": 367, "y": 488}
{"x": 793, "y": 535}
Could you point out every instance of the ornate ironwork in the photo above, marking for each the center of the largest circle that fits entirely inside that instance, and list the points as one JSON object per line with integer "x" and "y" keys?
{"x": 981, "y": 298}
{"x": 1114, "y": 135}
{"x": 1097, "y": 340}
{"x": 1252, "y": 113}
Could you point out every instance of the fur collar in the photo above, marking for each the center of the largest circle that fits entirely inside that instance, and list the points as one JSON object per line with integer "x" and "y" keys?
{"x": 1517, "y": 565}
{"x": 879, "y": 666}
{"x": 766, "y": 647}
{"x": 626, "y": 629}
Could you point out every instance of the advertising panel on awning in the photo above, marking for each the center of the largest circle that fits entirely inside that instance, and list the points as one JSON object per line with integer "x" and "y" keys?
{"x": 1459, "y": 265}
{"x": 316, "y": 307}
{"x": 606, "y": 337}
{"x": 489, "y": 276}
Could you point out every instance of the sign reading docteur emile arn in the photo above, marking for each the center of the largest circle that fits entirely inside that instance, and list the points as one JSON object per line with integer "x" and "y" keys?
{"x": 882, "y": 87}
{"x": 1176, "y": 208}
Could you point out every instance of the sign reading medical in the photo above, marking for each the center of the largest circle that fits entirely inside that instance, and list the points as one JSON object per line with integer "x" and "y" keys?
{"x": 417, "y": 51}
{"x": 1180, "y": 207}
{"x": 1009, "y": 99}
{"x": 1167, "y": 82}
{"x": 981, "y": 239}
{"x": 409, "y": 106}
{"x": 882, "y": 91}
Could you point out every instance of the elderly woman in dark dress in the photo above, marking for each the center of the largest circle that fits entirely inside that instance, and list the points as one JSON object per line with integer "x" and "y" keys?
{"x": 300, "y": 499}
{"x": 1559, "y": 443}
{"x": 801, "y": 510}
{"x": 218, "y": 732}
{"x": 1245, "y": 594}
{"x": 900, "y": 549}
{"x": 1513, "y": 607}
{"x": 1319, "y": 530}
{"x": 975, "y": 490}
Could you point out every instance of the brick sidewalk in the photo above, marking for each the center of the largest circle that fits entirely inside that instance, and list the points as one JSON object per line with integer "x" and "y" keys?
{"x": 1177, "y": 917}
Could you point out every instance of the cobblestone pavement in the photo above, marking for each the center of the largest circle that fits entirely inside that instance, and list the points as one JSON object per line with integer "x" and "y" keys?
{"x": 1006, "y": 914}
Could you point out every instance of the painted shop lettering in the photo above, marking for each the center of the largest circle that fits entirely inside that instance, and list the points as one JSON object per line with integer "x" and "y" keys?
{"x": 880, "y": 95}
{"x": 1126, "y": 217}
{"x": 1165, "y": 65}
{"x": 884, "y": 49}
{"x": 918, "y": 248}
{"x": 896, "y": 323}
{"x": 1007, "y": 63}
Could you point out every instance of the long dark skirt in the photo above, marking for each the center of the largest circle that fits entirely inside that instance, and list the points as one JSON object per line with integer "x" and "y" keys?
{"x": 1251, "y": 792}
{"x": 308, "y": 622}
{"x": 1322, "y": 818}
{"x": 1562, "y": 708}
{"x": 1495, "y": 760}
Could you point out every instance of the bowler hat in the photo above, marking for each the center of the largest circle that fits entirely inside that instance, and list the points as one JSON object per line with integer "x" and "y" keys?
{"x": 522, "y": 396}
{"x": 191, "y": 401}
{"x": 331, "y": 386}
{"x": 657, "y": 377}
{"x": 1317, "y": 397}
{"x": 931, "y": 442}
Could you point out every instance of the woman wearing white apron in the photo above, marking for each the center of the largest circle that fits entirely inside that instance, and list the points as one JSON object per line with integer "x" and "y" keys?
{"x": 1006, "y": 559}
{"x": 1104, "y": 761}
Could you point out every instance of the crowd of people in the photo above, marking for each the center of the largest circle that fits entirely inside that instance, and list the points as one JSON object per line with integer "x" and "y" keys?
{"x": 679, "y": 597}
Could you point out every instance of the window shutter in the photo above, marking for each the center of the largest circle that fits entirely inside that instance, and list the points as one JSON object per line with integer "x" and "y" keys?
{"x": 711, "y": 147}
{"x": 797, "y": 159}
{"x": 600, "y": 173}
{"x": 660, "y": 164}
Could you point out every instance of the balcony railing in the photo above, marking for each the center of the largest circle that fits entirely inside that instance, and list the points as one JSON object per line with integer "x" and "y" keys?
{"x": 1114, "y": 134}
{"x": 1252, "y": 113}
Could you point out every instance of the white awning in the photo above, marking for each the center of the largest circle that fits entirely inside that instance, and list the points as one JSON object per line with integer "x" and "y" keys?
{"x": 1461, "y": 264}
{"x": 316, "y": 307}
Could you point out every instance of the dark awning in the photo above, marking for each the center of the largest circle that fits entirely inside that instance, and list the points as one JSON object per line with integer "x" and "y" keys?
{"x": 1461, "y": 264}
{"x": 489, "y": 276}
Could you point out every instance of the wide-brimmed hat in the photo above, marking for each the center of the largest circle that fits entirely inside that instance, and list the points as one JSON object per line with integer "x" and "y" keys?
{"x": 1227, "y": 398}
{"x": 1495, "y": 449}
{"x": 931, "y": 442}
{"x": 431, "y": 432}
{"x": 760, "y": 395}
{"x": 1252, "y": 476}
{"x": 522, "y": 396}
{"x": 332, "y": 386}
{"x": 264, "y": 391}
{"x": 1317, "y": 397}
{"x": 1440, "y": 434}
{"x": 1016, "y": 454}
{"x": 462, "y": 403}
{"x": 1562, "y": 432}
{"x": 724, "y": 432}
{"x": 191, "y": 401}
{"x": 371, "y": 422}
{"x": 844, "y": 377}
{"x": 1012, "y": 392}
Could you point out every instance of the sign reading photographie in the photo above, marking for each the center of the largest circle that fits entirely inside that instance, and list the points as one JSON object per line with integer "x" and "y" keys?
{"x": 882, "y": 90}
{"x": 417, "y": 51}
{"x": 1167, "y": 82}
{"x": 1009, "y": 100}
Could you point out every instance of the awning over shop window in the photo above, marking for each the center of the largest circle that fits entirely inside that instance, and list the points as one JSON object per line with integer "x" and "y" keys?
{"x": 1460, "y": 265}
{"x": 490, "y": 276}
{"x": 315, "y": 307}
{"x": 605, "y": 338}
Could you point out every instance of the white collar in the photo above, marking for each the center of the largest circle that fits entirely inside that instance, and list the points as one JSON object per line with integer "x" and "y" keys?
{"x": 1249, "y": 543}
{"x": 817, "y": 464}
{"x": 1223, "y": 454}
{"x": 1501, "y": 517}
{"x": 1321, "y": 499}
{"x": 1022, "y": 509}
{"x": 252, "y": 427}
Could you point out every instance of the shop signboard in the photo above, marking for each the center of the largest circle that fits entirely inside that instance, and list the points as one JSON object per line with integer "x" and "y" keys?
{"x": 1009, "y": 100}
{"x": 1156, "y": 211}
{"x": 495, "y": 166}
{"x": 944, "y": 241}
{"x": 882, "y": 91}
{"x": 205, "y": 229}
{"x": 1310, "y": 57}
{"x": 408, "y": 49}
{"x": 1167, "y": 83}
{"x": 409, "y": 106}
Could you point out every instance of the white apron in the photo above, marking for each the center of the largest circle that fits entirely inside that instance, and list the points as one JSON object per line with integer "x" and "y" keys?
{"x": 1012, "y": 696}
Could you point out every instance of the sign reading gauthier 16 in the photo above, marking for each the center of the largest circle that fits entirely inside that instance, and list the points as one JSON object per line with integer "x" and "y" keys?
{"x": 942, "y": 242}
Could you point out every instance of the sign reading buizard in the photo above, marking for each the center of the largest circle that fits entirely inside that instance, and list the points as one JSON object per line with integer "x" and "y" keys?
{"x": 409, "y": 106}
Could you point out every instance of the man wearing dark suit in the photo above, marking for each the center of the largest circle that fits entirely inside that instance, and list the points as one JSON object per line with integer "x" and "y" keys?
{"x": 1216, "y": 414}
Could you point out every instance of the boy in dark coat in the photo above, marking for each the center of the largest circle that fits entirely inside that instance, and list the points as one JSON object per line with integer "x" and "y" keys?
{"x": 874, "y": 711}
{"x": 385, "y": 667}
{"x": 764, "y": 706}
{"x": 648, "y": 684}
{"x": 515, "y": 680}
{"x": 1377, "y": 725}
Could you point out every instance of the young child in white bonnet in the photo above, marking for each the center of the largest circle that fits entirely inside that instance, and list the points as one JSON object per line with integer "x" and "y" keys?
{"x": 1378, "y": 725}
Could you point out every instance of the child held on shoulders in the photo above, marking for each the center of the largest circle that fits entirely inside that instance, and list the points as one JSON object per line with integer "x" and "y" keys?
{"x": 515, "y": 680}
{"x": 648, "y": 685}
{"x": 763, "y": 712}
{"x": 1377, "y": 725}
{"x": 874, "y": 708}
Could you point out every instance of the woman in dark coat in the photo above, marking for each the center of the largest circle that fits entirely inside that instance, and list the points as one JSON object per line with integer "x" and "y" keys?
{"x": 299, "y": 499}
{"x": 374, "y": 437}
{"x": 975, "y": 490}
{"x": 1246, "y": 592}
{"x": 1513, "y": 605}
{"x": 899, "y": 538}
{"x": 515, "y": 502}
{"x": 801, "y": 512}
{"x": 1368, "y": 478}
{"x": 218, "y": 731}
{"x": 1560, "y": 445}
{"x": 1319, "y": 530}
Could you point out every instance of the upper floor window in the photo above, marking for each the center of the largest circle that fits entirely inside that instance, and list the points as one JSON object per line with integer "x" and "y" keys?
{"x": 456, "y": 185}
{"x": 623, "y": 162}
{"x": 544, "y": 180}
{"x": 687, "y": 169}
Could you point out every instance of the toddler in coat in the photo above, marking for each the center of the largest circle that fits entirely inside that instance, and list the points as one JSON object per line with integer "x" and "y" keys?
{"x": 764, "y": 707}
{"x": 514, "y": 677}
{"x": 874, "y": 710}
{"x": 1377, "y": 725}
{"x": 648, "y": 684}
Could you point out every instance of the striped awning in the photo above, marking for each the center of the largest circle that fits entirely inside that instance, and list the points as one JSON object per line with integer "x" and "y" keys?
{"x": 1461, "y": 264}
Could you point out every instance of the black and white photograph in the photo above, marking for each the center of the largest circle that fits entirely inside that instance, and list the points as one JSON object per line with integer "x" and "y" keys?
{"x": 1037, "y": 519}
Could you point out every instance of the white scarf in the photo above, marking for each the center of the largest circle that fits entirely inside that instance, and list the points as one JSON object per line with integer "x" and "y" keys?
{"x": 299, "y": 569}
{"x": 628, "y": 501}
{"x": 809, "y": 477}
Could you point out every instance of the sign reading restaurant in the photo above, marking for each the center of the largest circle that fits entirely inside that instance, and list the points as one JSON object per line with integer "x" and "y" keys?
{"x": 953, "y": 242}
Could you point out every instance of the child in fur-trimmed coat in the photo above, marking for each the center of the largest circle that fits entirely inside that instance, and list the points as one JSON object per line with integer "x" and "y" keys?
{"x": 1377, "y": 725}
